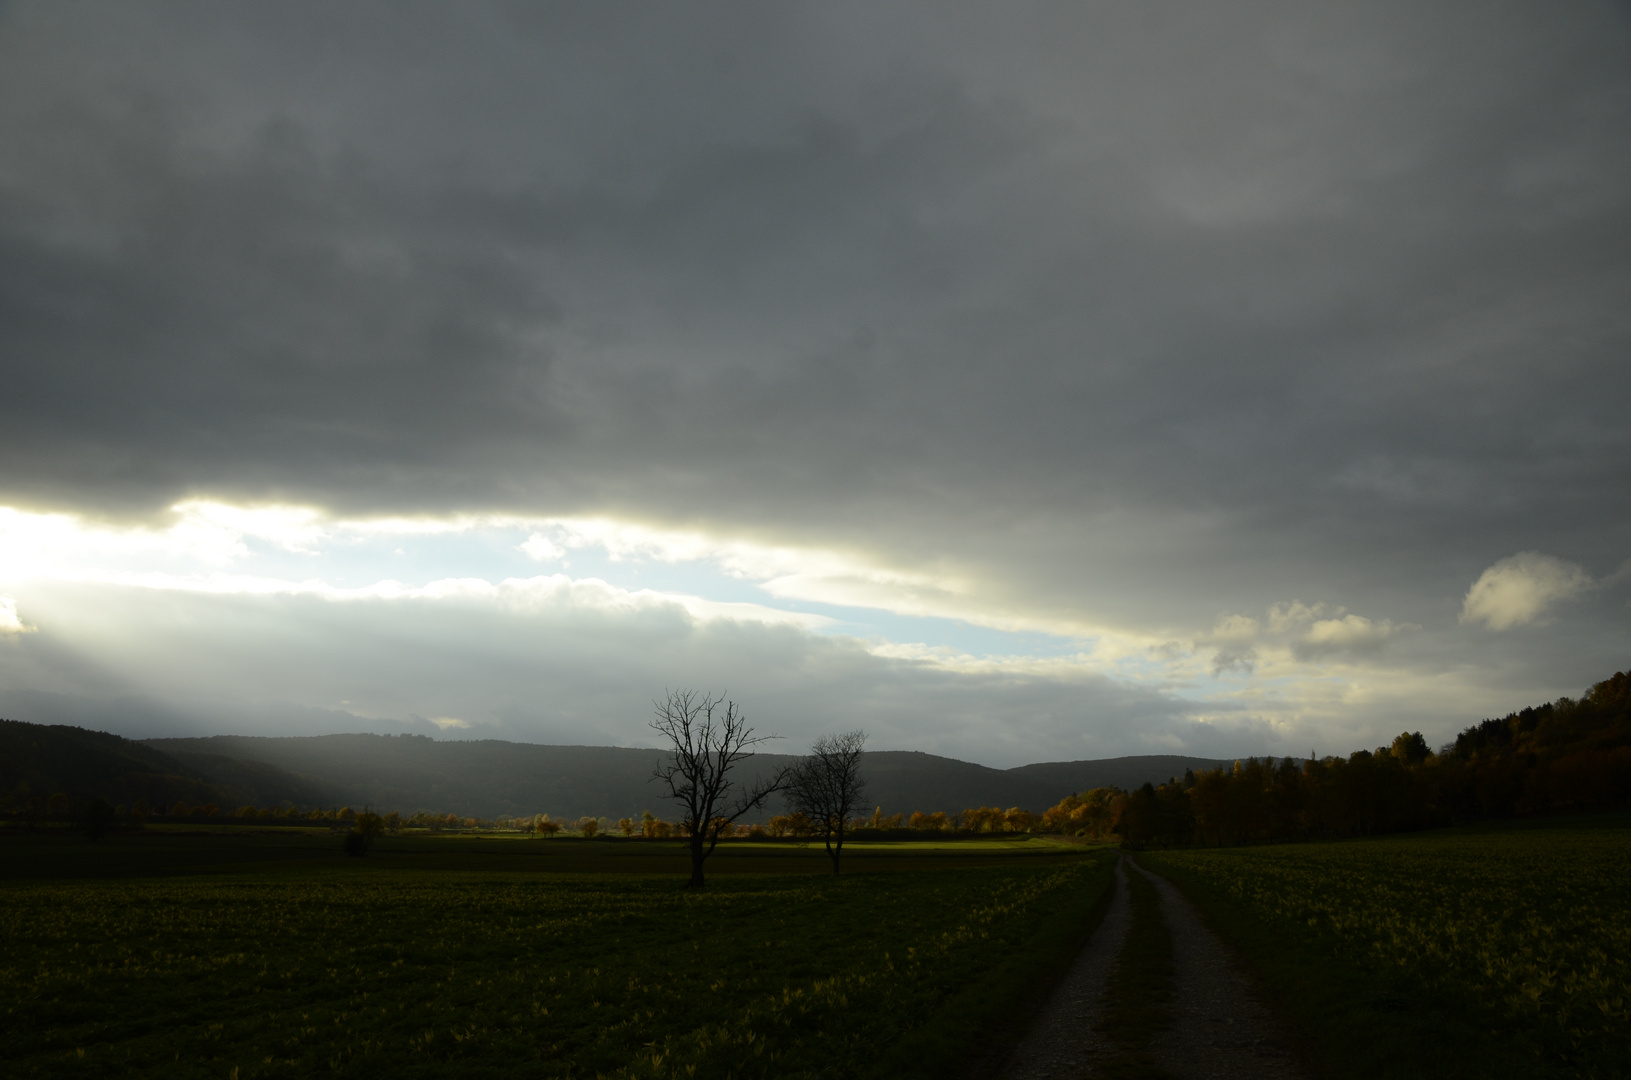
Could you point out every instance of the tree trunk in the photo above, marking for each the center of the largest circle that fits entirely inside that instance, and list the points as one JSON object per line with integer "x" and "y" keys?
{"x": 698, "y": 854}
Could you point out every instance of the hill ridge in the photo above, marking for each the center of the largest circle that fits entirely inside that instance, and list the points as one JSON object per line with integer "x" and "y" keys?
{"x": 499, "y": 777}
{"x": 486, "y": 777}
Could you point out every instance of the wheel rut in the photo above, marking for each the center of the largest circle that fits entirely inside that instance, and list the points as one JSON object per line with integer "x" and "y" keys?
{"x": 1060, "y": 1044}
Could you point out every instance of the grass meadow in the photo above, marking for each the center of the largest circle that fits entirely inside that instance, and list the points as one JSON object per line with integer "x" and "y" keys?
{"x": 267, "y": 954}
{"x": 1501, "y": 950}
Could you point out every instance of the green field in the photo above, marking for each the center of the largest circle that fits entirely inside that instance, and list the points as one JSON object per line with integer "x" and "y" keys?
{"x": 268, "y": 954}
{"x": 1499, "y": 950}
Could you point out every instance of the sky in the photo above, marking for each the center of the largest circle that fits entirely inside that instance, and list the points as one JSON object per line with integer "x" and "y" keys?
{"x": 1015, "y": 382}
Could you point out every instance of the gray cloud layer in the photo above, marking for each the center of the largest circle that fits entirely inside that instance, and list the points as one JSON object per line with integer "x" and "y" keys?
{"x": 560, "y": 674}
{"x": 1152, "y": 314}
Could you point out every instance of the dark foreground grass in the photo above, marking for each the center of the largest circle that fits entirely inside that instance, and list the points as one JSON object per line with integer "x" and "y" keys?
{"x": 1490, "y": 952}
{"x": 310, "y": 965}
{"x": 975, "y": 1029}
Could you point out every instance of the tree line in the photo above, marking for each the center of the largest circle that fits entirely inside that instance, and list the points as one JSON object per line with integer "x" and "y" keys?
{"x": 59, "y": 808}
{"x": 1571, "y": 755}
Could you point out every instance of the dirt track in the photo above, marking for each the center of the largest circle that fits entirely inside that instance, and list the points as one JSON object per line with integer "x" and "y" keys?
{"x": 1219, "y": 1031}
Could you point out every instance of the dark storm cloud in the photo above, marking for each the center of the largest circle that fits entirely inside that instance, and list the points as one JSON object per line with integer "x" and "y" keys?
{"x": 1157, "y": 313}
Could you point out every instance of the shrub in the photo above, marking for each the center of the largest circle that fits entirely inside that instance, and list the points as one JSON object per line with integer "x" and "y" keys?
{"x": 369, "y": 826}
{"x": 97, "y": 819}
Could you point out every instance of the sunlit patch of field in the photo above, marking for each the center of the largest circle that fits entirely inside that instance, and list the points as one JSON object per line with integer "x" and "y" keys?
{"x": 1020, "y": 843}
{"x": 1532, "y": 925}
{"x": 361, "y": 968}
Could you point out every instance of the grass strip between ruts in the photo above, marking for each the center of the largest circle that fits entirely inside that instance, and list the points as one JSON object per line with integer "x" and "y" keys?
{"x": 1138, "y": 998}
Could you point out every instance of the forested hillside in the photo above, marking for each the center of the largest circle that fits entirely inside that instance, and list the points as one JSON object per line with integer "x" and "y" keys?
{"x": 39, "y": 762}
{"x": 1567, "y": 756}
{"x": 492, "y": 779}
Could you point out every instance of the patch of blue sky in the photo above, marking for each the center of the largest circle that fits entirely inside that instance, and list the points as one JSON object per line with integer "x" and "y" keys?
{"x": 361, "y": 559}
{"x": 962, "y": 637}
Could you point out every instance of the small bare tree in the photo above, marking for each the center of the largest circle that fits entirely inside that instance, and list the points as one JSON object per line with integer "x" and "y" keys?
{"x": 708, "y": 737}
{"x": 827, "y": 788}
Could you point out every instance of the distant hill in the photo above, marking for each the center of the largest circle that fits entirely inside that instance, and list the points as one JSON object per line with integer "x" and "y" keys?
{"x": 491, "y": 778}
{"x": 259, "y": 783}
{"x": 42, "y": 760}
{"x": 1122, "y": 772}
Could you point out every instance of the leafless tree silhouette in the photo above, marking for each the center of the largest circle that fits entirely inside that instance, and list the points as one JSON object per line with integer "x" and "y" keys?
{"x": 708, "y": 737}
{"x": 827, "y": 788}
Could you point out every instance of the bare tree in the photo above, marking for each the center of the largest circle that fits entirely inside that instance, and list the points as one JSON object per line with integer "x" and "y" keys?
{"x": 827, "y": 788}
{"x": 708, "y": 737}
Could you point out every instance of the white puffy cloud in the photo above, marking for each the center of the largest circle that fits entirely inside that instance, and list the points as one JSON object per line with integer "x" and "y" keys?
{"x": 1313, "y": 631}
{"x": 1234, "y": 629}
{"x": 539, "y": 546}
{"x": 449, "y": 723}
{"x": 1520, "y": 588}
{"x": 1293, "y": 616}
{"x": 1296, "y": 631}
{"x": 1233, "y": 635}
{"x": 1349, "y": 633}
{"x": 10, "y": 621}
{"x": 292, "y": 528}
